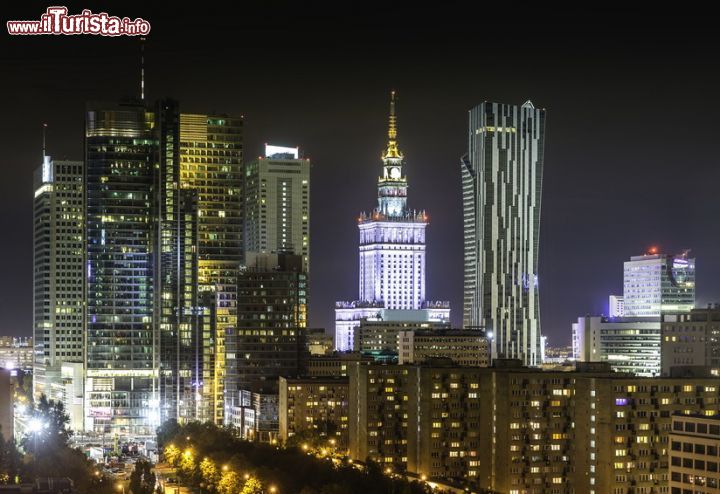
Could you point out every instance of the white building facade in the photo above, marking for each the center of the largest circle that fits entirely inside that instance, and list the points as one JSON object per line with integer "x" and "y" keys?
{"x": 392, "y": 255}
{"x": 658, "y": 283}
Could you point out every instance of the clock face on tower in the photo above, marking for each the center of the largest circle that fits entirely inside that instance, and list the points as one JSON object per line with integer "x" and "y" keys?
{"x": 394, "y": 172}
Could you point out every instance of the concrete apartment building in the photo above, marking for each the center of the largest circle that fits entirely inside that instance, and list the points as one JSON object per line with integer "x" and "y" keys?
{"x": 314, "y": 407}
{"x": 694, "y": 444}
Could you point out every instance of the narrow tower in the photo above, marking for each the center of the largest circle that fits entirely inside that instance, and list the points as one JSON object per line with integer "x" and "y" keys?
{"x": 392, "y": 254}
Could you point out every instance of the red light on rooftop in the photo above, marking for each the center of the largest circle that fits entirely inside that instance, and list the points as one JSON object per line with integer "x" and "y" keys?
{"x": 653, "y": 250}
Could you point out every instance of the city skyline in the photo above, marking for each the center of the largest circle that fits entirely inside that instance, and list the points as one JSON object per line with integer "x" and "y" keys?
{"x": 621, "y": 214}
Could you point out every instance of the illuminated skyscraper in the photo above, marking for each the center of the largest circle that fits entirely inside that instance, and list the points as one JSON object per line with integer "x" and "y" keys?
{"x": 211, "y": 165}
{"x": 502, "y": 186}
{"x": 58, "y": 246}
{"x": 659, "y": 283}
{"x": 392, "y": 255}
{"x": 121, "y": 346}
{"x": 277, "y": 203}
{"x": 180, "y": 317}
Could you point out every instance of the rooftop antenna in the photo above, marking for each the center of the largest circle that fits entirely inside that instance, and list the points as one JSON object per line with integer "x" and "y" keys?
{"x": 142, "y": 68}
{"x": 44, "y": 130}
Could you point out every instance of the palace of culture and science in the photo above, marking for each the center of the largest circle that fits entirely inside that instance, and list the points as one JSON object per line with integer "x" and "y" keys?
{"x": 392, "y": 256}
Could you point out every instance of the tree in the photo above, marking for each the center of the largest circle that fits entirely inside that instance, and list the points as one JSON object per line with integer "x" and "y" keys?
{"x": 209, "y": 472}
{"x": 252, "y": 486}
{"x": 50, "y": 428}
{"x": 172, "y": 455}
{"x": 166, "y": 432}
{"x": 229, "y": 483}
{"x": 10, "y": 461}
{"x": 142, "y": 479}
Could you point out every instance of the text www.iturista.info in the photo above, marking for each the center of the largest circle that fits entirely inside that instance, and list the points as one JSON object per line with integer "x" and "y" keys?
{"x": 56, "y": 20}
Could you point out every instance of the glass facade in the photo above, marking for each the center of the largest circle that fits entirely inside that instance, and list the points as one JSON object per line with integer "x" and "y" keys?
{"x": 659, "y": 283}
{"x": 502, "y": 187}
{"x": 211, "y": 165}
{"x": 121, "y": 365}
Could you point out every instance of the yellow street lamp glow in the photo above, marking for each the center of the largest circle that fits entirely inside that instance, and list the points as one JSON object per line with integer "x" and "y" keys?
{"x": 423, "y": 477}
{"x": 388, "y": 470}
{"x": 246, "y": 476}
{"x": 332, "y": 441}
{"x": 305, "y": 447}
{"x": 188, "y": 453}
{"x": 273, "y": 489}
{"x": 225, "y": 468}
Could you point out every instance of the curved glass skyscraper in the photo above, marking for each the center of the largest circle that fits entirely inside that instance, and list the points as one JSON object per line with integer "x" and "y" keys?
{"x": 502, "y": 185}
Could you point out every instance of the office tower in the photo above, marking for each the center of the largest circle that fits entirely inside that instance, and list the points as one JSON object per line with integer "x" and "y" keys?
{"x": 392, "y": 254}
{"x": 694, "y": 444}
{"x": 314, "y": 409}
{"x": 121, "y": 346}
{"x": 691, "y": 340}
{"x": 268, "y": 341}
{"x": 616, "y": 306}
{"x": 628, "y": 344}
{"x": 211, "y": 165}
{"x": 277, "y": 203}
{"x": 179, "y": 316}
{"x": 58, "y": 246}
{"x": 466, "y": 347}
{"x": 502, "y": 186}
{"x": 164, "y": 246}
{"x": 657, "y": 283}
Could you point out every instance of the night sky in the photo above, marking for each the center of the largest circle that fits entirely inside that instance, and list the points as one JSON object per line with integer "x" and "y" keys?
{"x": 631, "y": 154}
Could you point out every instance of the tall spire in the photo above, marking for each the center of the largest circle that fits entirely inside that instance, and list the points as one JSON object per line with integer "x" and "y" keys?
{"x": 392, "y": 151}
{"x": 142, "y": 68}
{"x": 44, "y": 131}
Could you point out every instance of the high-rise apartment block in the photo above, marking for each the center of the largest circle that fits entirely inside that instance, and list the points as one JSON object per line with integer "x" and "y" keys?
{"x": 502, "y": 187}
{"x": 694, "y": 444}
{"x": 514, "y": 429}
{"x": 314, "y": 408}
